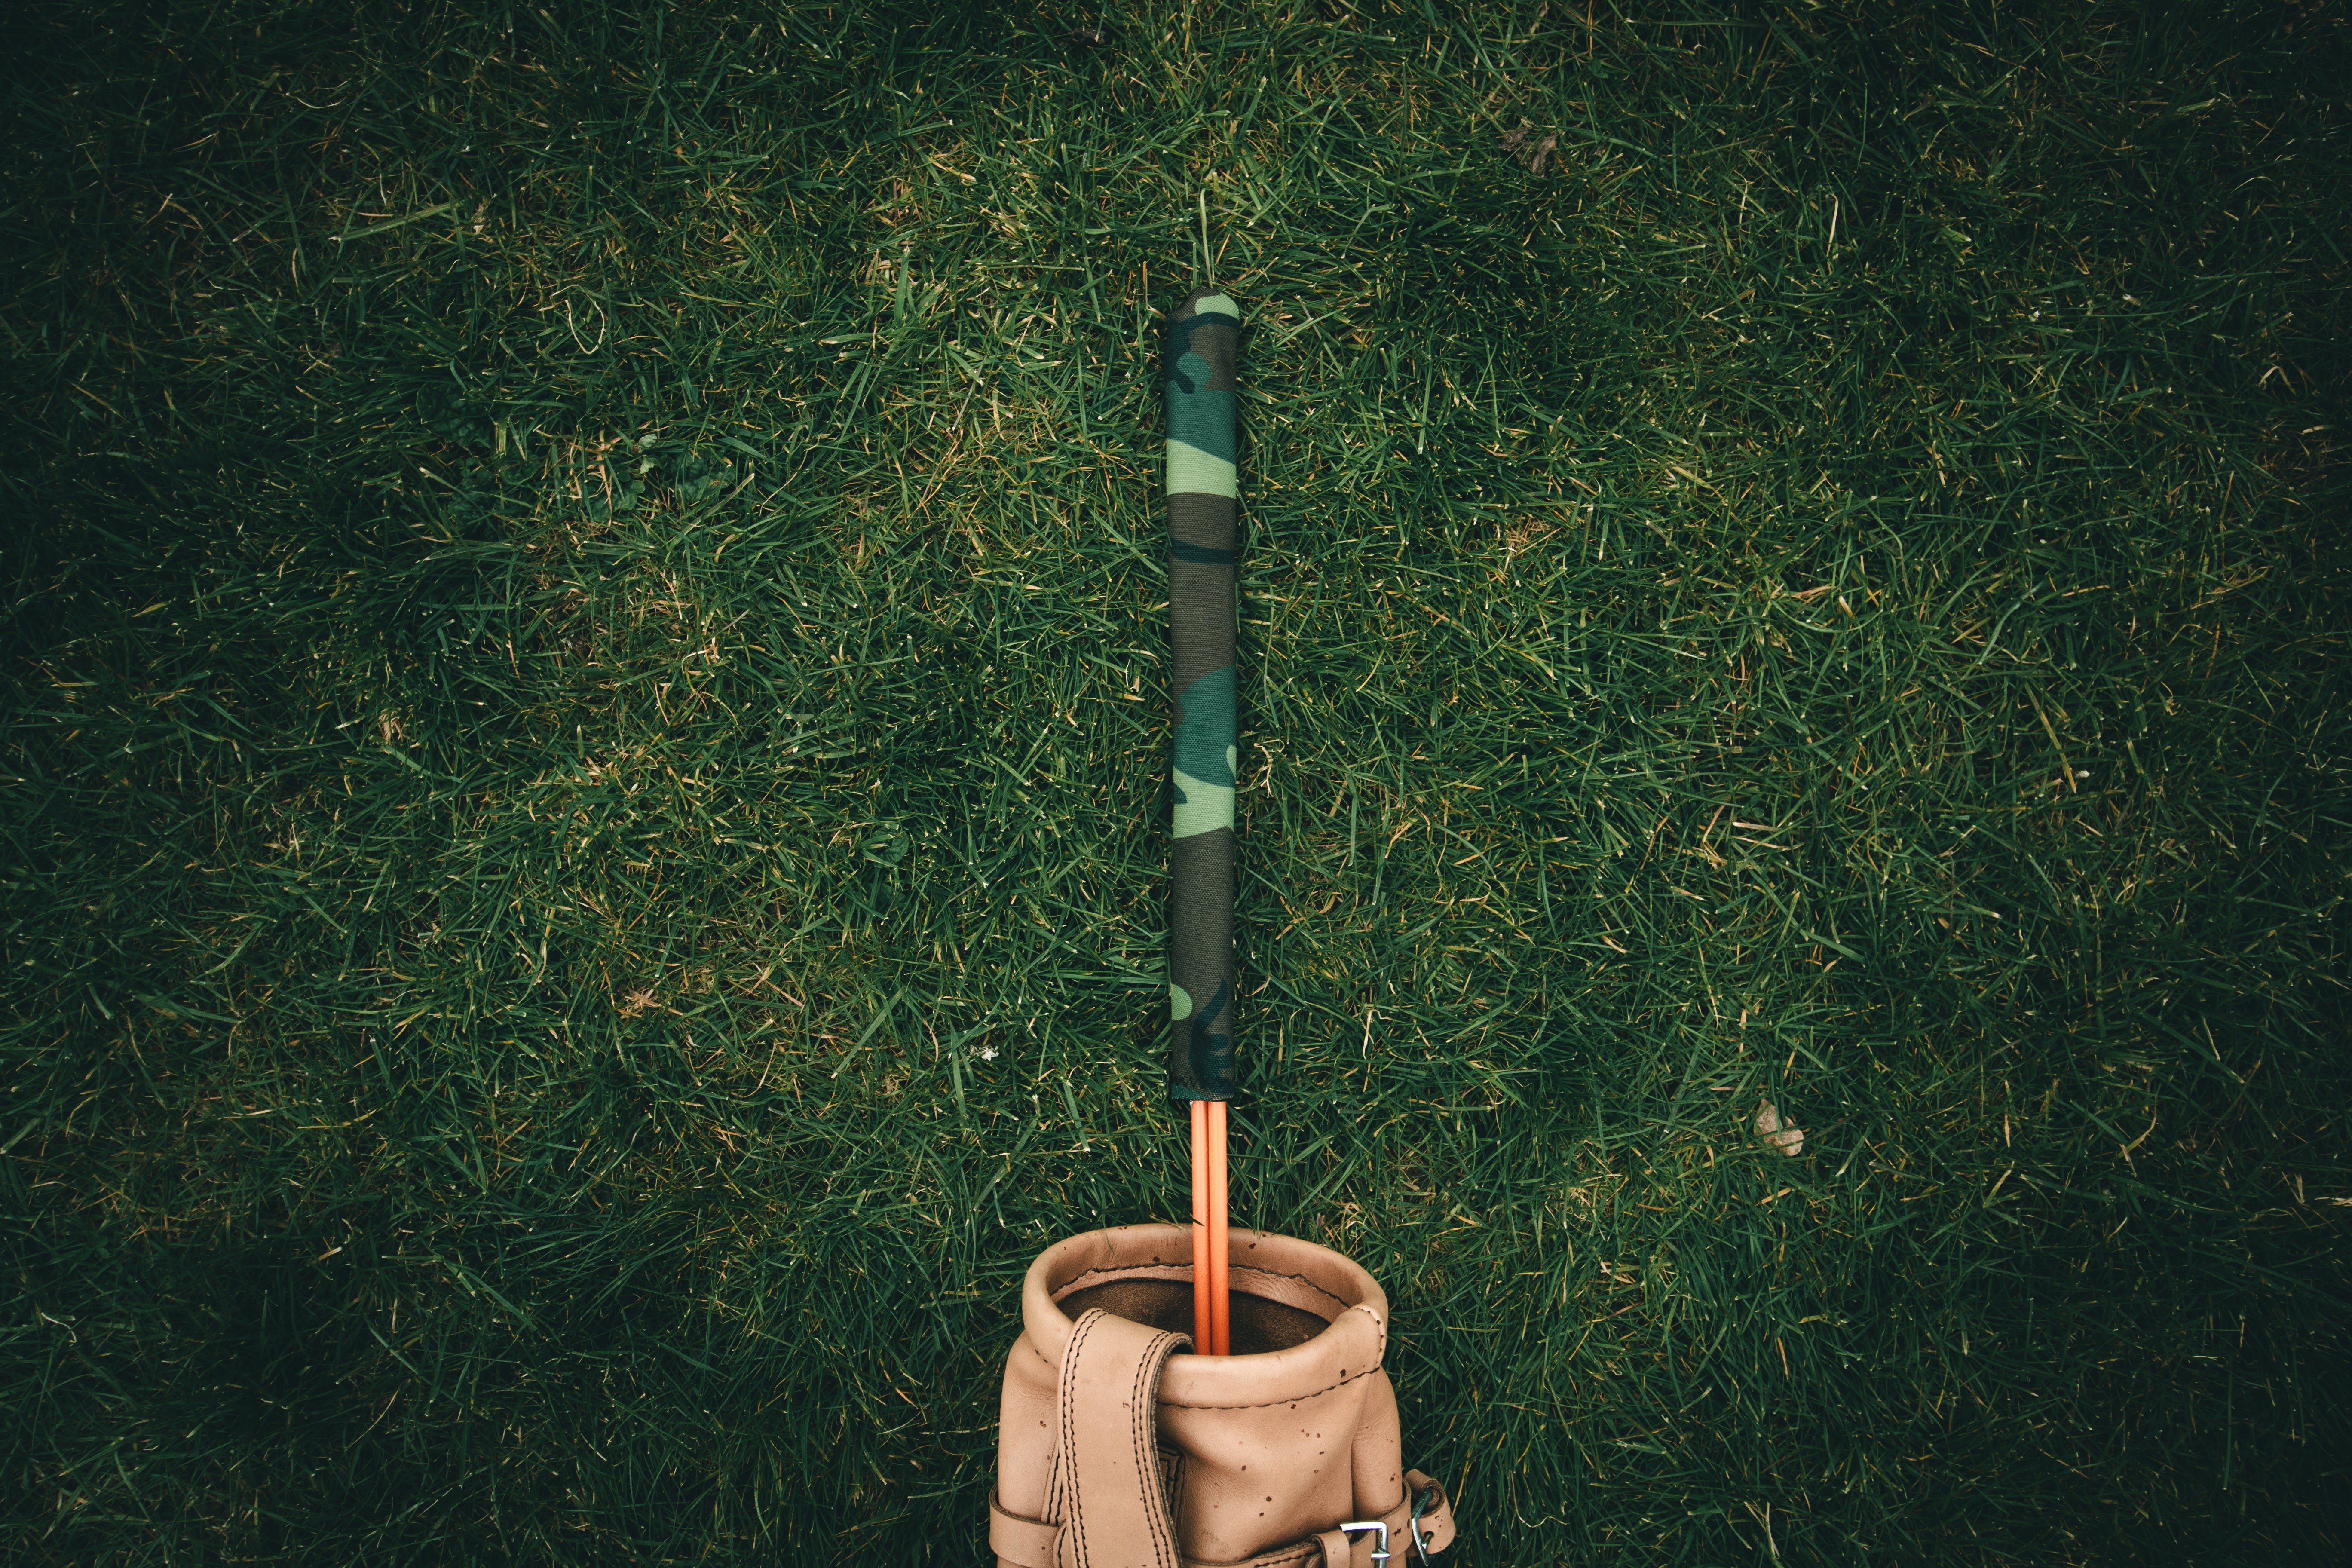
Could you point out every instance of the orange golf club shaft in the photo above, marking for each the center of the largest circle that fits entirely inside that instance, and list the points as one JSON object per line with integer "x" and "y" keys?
{"x": 1221, "y": 1300}
{"x": 1203, "y": 1333}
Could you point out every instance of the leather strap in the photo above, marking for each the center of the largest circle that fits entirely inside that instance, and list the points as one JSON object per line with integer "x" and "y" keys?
{"x": 1026, "y": 1543}
{"x": 1030, "y": 1543}
{"x": 1107, "y": 1488}
{"x": 1436, "y": 1524}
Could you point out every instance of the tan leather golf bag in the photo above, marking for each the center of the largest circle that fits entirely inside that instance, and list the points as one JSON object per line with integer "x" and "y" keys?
{"x": 1117, "y": 1449}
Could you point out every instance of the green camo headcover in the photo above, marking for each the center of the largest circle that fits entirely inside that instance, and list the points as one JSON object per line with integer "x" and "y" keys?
{"x": 1204, "y": 338}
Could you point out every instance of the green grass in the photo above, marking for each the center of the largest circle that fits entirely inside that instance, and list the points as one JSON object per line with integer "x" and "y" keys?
{"x": 584, "y": 733}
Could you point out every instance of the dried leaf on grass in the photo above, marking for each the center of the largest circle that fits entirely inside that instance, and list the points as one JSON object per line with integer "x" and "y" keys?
{"x": 1535, "y": 151}
{"x": 1787, "y": 1140}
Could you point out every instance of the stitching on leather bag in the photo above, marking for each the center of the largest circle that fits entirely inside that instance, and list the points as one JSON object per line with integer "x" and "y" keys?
{"x": 1377, "y": 1321}
{"x": 1065, "y": 1289}
{"x": 1296, "y": 1554}
{"x": 1177, "y": 1404}
{"x": 1055, "y": 1512}
{"x": 1073, "y": 1510}
{"x": 1378, "y": 1353}
{"x": 1141, "y": 1429}
{"x": 1171, "y": 1482}
{"x": 1294, "y": 1399}
{"x": 1135, "y": 1429}
{"x": 1254, "y": 1268}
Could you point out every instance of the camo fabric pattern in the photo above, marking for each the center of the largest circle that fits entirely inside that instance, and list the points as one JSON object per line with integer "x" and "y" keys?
{"x": 1204, "y": 338}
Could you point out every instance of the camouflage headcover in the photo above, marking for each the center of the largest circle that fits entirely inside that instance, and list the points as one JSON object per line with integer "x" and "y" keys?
{"x": 1204, "y": 338}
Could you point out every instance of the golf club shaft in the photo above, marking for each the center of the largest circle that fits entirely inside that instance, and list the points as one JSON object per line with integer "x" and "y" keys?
{"x": 1221, "y": 1292}
{"x": 1203, "y": 1334}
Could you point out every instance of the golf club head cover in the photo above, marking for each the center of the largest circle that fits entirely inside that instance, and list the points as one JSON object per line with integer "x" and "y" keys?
{"x": 1204, "y": 341}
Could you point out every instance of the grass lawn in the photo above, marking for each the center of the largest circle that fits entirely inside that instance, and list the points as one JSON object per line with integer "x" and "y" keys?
{"x": 583, "y": 733}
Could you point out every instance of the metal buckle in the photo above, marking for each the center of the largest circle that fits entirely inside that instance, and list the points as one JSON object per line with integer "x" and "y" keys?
{"x": 1380, "y": 1553}
{"x": 1413, "y": 1523}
